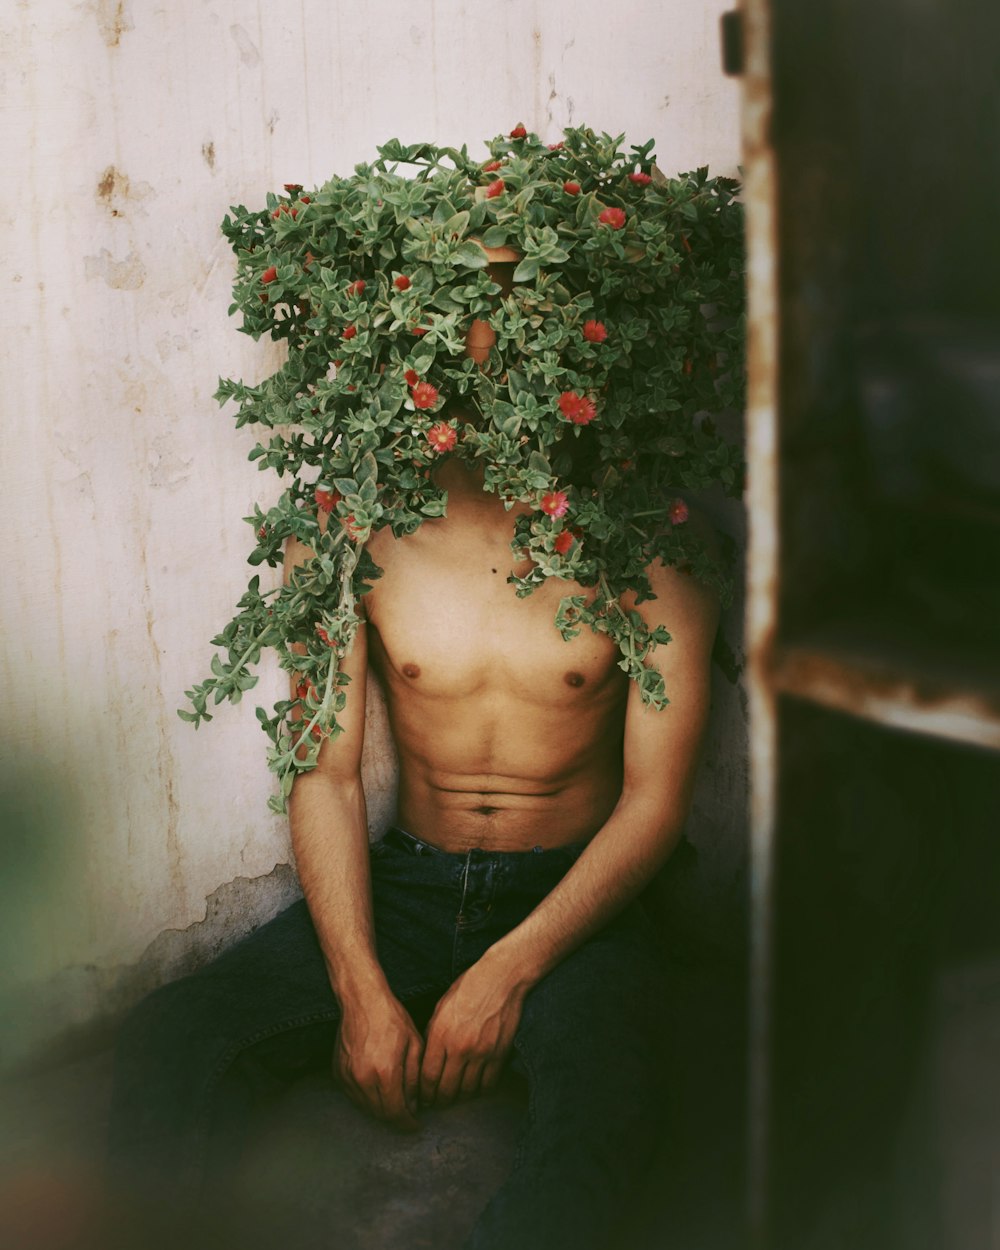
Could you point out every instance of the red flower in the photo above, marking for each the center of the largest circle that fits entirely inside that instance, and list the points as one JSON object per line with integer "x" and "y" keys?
{"x": 678, "y": 512}
{"x": 640, "y": 179}
{"x": 595, "y": 331}
{"x": 304, "y": 688}
{"x": 554, "y": 147}
{"x": 613, "y": 217}
{"x": 563, "y": 542}
{"x": 425, "y": 395}
{"x": 688, "y": 366}
{"x": 555, "y": 503}
{"x": 326, "y": 500}
{"x": 442, "y": 436}
{"x": 356, "y": 287}
{"x": 419, "y": 331}
{"x": 402, "y": 283}
{"x": 324, "y": 636}
{"x": 577, "y": 408}
{"x": 519, "y": 132}
{"x": 491, "y": 167}
{"x": 262, "y": 533}
{"x": 304, "y": 199}
{"x": 349, "y": 332}
{"x": 352, "y": 528}
{"x": 309, "y": 259}
{"x": 571, "y": 188}
{"x": 269, "y": 275}
{"x": 412, "y": 377}
{"x": 293, "y": 187}
{"x": 495, "y": 189}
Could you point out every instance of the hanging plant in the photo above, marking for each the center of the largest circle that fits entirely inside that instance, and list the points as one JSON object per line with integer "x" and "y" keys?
{"x": 592, "y": 401}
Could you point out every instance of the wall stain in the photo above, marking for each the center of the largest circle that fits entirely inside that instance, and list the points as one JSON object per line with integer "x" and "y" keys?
{"x": 116, "y": 192}
{"x": 121, "y": 275}
{"x": 114, "y": 19}
{"x": 167, "y": 469}
{"x": 246, "y": 46}
{"x": 208, "y": 152}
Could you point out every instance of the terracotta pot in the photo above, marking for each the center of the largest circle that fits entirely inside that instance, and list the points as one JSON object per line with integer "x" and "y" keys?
{"x": 479, "y": 340}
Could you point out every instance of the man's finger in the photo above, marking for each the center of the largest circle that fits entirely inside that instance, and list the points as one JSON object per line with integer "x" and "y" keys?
{"x": 411, "y": 1076}
{"x": 450, "y": 1082}
{"x": 491, "y": 1075}
{"x": 430, "y": 1072}
{"x": 471, "y": 1079}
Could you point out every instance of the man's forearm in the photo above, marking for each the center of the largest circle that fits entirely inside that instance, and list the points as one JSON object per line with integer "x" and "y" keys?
{"x": 616, "y": 866}
{"x": 330, "y": 839}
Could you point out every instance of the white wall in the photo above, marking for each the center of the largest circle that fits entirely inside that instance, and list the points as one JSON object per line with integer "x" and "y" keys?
{"x": 130, "y": 127}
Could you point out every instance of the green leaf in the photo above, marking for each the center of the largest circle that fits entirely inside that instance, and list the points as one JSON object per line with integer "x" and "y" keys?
{"x": 495, "y": 236}
{"x": 526, "y": 270}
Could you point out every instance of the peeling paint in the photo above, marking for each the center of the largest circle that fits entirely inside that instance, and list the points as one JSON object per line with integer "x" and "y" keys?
{"x": 121, "y": 275}
{"x": 208, "y": 153}
{"x": 65, "y": 1014}
{"x": 246, "y": 46}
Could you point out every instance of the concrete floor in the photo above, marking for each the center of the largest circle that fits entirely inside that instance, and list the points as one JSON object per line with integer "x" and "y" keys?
{"x": 322, "y": 1176}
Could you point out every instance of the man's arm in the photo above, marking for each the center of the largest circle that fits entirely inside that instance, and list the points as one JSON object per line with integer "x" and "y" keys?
{"x": 378, "y": 1049}
{"x": 475, "y": 1022}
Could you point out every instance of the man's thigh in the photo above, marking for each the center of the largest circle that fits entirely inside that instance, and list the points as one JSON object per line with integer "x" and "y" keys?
{"x": 599, "y": 1020}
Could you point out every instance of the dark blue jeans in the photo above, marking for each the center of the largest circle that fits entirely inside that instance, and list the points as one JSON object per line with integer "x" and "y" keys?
{"x": 198, "y": 1055}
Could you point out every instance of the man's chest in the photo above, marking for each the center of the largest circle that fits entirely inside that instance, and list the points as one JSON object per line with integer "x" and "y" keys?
{"x": 450, "y": 624}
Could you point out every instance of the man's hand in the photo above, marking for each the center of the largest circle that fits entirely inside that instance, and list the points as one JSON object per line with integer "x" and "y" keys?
{"x": 470, "y": 1034}
{"x": 377, "y": 1058}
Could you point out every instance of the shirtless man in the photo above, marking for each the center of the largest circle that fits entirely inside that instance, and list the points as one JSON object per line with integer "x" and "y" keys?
{"x": 537, "y": 797}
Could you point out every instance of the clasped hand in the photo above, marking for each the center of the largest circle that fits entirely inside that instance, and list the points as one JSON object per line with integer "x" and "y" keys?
{"x": 388, "y": 1069}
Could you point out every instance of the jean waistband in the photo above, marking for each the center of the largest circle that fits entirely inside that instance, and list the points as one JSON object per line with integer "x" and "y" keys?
{"x": 395, "y": 836}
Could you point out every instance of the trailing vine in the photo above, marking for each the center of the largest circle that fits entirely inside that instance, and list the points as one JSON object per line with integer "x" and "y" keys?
{"x": 618, "y": 340}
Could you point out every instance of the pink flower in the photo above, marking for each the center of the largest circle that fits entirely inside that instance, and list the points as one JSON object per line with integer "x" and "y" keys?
{"x": 349, "y": 332}
{"x": 442, "y": 436}
{"x": 563, "y": 542}
{"x": 677, "y": 512}
{"x": 326, "y": 500}
{"x": 640, "y": 179}
{"x": 425, "y": 395}
{"x": 613, "y": 217}
{"x": 554, "y": 147}
{"x": 412, "y": 377}
{"x": 356, "y": 287}
{"x": 402, "y": 283}
{"x": 571, "y": 188}
{"x": 577, "y": 408}
{"x": 595, "y": 331}
{"x": 269, "y": 275}
{"x": 491, "y": 167}
{"x": 555, "y": 503}
{"x": 494, "y": 189}
{"x": 519, "y": 132}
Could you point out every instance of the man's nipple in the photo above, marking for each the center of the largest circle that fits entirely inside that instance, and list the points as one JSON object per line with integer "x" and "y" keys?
{"x": 411, "y": 670}
{"x": 574, "y": 678}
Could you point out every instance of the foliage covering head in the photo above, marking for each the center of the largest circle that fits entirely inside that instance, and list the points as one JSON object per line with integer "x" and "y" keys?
{"x": 620, "y": 339}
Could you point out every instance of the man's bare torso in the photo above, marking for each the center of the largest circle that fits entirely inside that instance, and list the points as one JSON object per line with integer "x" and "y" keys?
{"x": 508, "y": 736}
